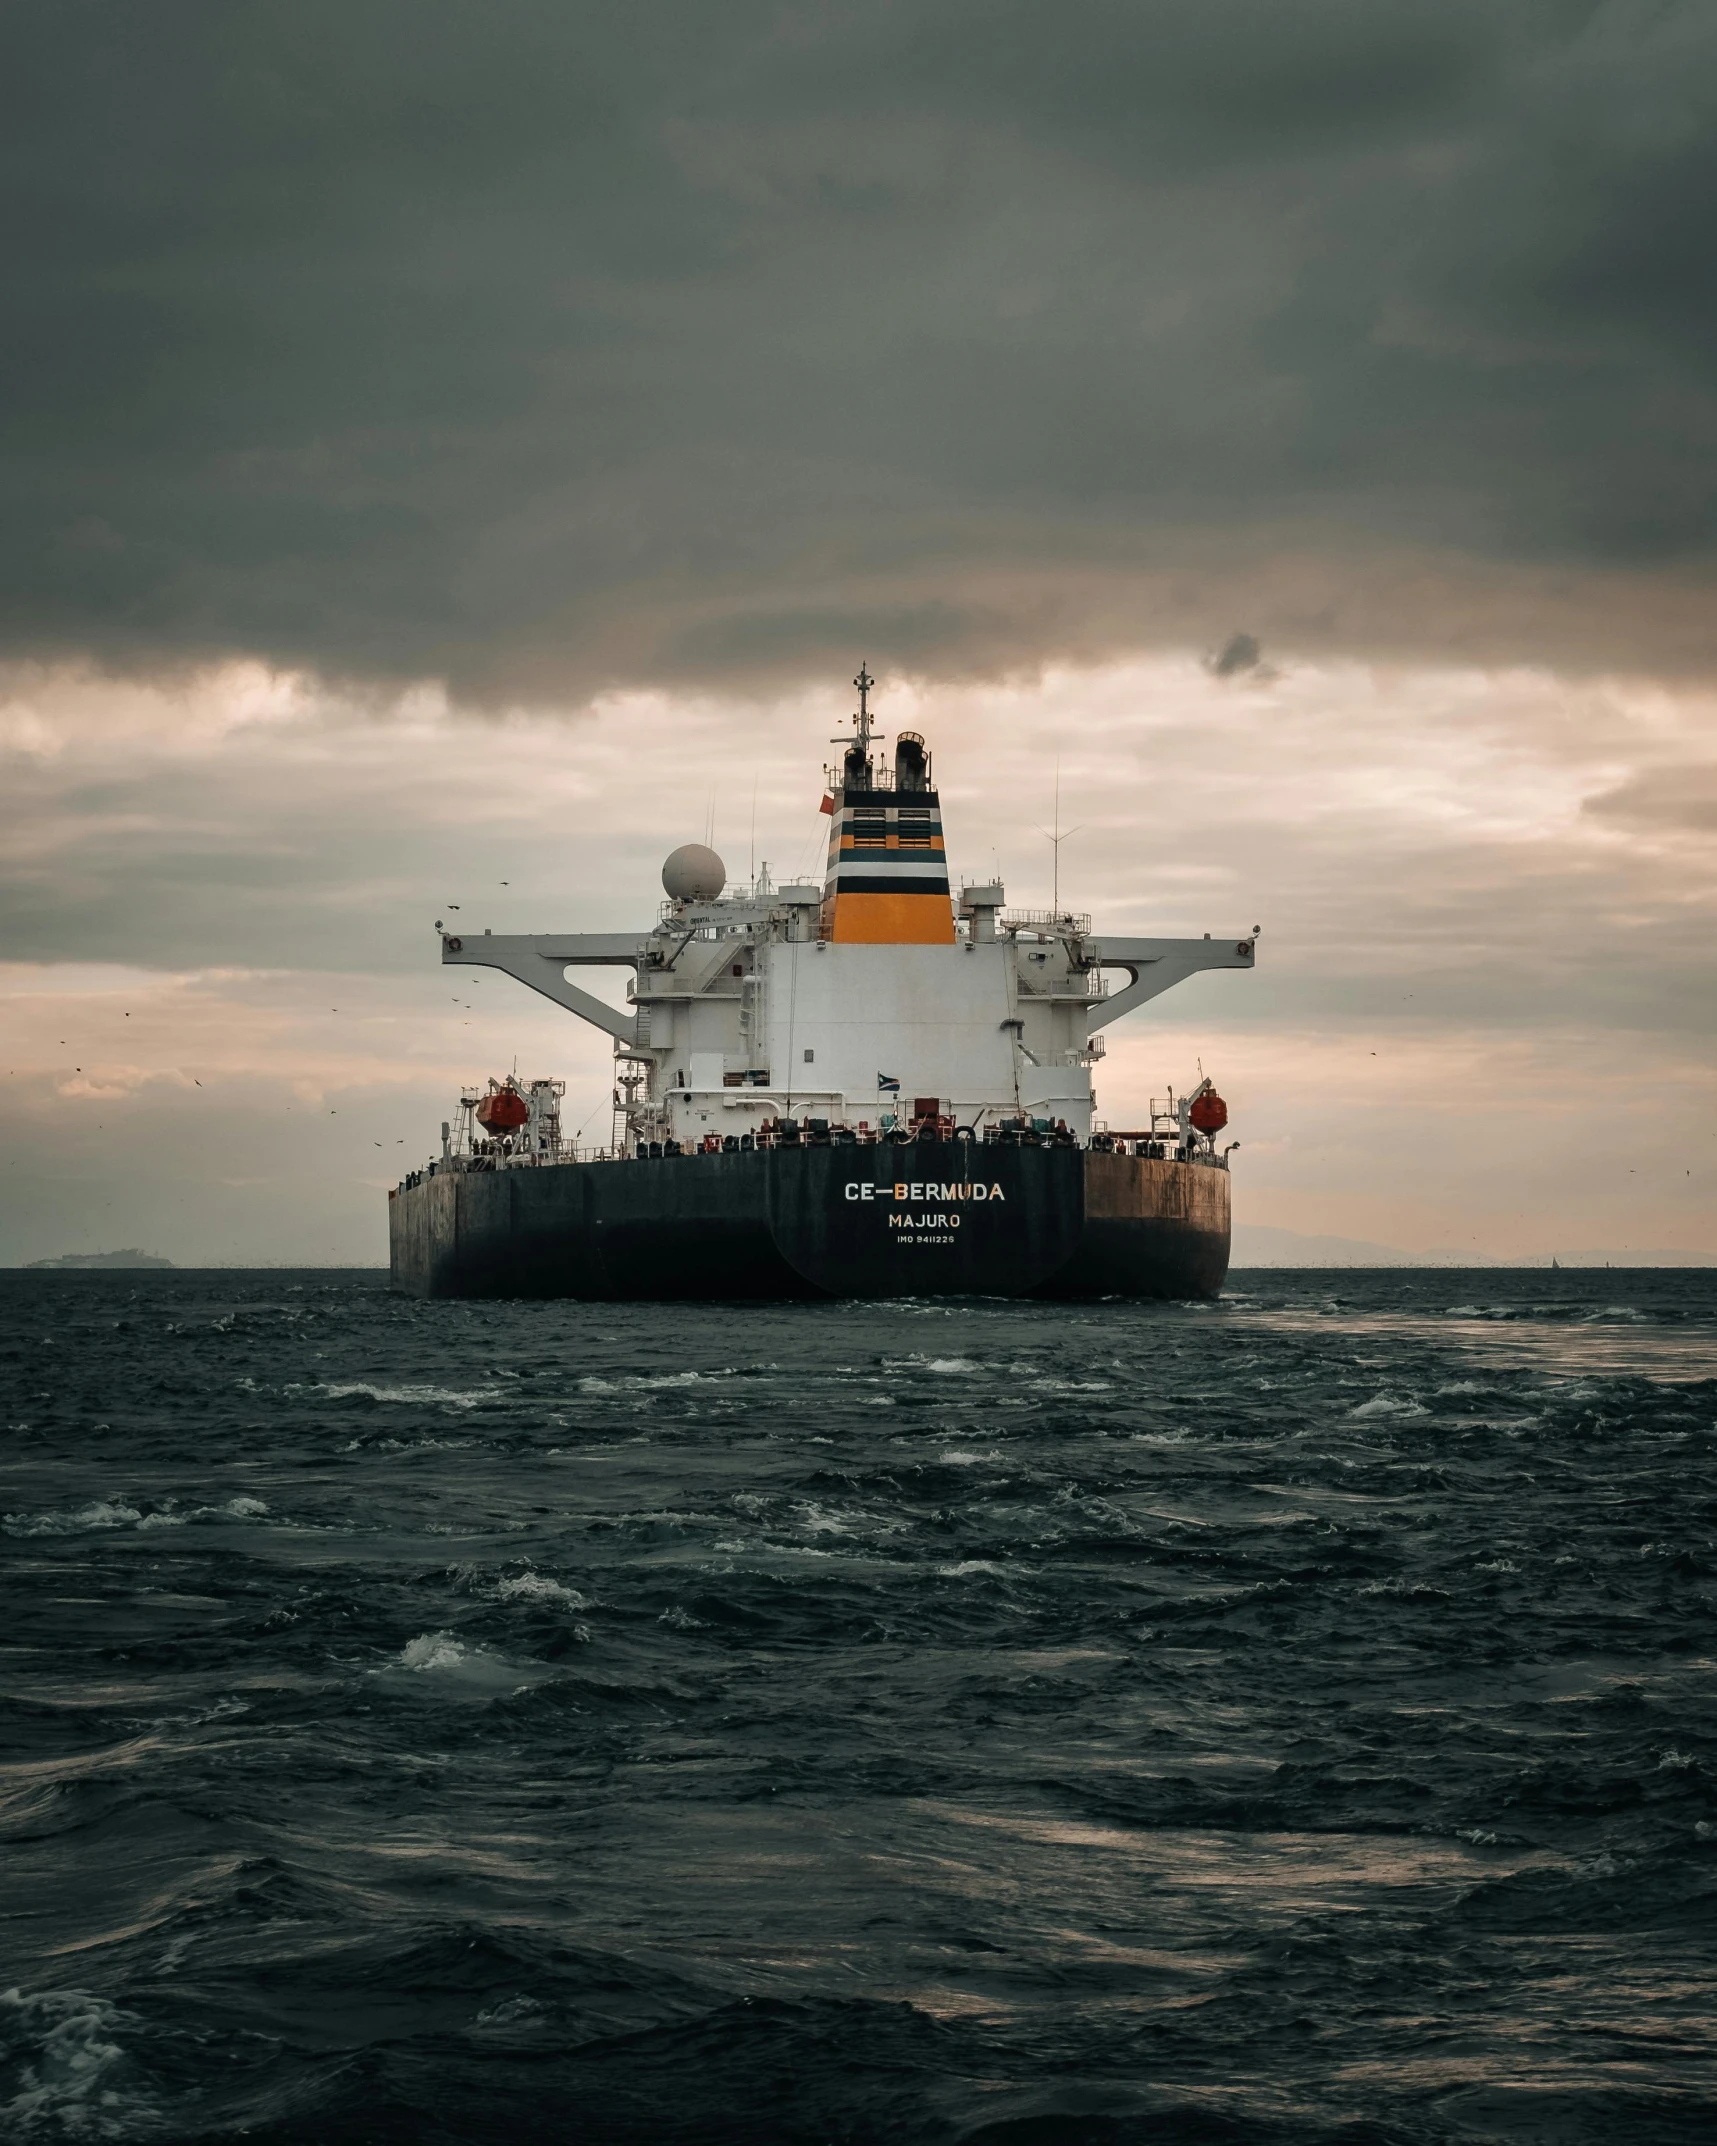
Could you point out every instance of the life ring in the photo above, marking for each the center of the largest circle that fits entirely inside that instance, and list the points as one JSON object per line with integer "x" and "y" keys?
{"x": 455, "y": 946}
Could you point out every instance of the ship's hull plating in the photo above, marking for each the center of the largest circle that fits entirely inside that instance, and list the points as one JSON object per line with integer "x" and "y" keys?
{"x": 879, "y": 1221}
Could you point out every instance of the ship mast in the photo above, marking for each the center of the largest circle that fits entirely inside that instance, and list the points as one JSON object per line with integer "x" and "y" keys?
{"x": 861, "y": 721}
{"x": 857, "y": 756}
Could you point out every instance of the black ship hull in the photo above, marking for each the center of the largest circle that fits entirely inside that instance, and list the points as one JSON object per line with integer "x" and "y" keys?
{"x": 928, "y": 1219}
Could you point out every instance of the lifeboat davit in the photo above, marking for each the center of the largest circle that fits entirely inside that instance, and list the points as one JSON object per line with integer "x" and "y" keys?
{"x": 1209, "y": 1113}
{"x": 503, "y": 1110}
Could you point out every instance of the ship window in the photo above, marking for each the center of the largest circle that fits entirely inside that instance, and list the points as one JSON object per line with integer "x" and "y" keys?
{"x": 810, "y": 1058}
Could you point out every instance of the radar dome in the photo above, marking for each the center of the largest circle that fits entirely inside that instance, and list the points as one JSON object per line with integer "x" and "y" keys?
{"x": 694, "y": 874}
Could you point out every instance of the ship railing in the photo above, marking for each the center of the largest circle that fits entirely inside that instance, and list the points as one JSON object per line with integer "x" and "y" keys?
{"x": 728, "y": 916}
{"x": 1045, "y": 923}
{"x": 559, "y": 1151}
{"x": 881, "y": 777}
{"x": 1162, "y": 1145}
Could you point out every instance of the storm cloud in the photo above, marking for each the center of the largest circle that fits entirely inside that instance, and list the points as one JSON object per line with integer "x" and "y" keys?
{"x": 541, "y": 349}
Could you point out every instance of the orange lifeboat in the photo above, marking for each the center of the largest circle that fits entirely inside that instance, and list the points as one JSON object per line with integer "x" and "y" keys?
{"x": 1209, "y": 1113}
{"x": 503, "y": 1110}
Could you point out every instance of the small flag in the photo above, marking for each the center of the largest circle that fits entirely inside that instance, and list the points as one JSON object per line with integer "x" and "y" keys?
{"x": 888, "y": 1084}
{"x": 828, "y": 804}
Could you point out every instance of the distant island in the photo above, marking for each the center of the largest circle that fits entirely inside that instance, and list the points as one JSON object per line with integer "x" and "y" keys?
{"x": 131, "y": 1258}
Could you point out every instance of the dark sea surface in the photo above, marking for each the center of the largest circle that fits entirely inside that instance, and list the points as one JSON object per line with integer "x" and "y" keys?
{"x": 1291, "y": 1719}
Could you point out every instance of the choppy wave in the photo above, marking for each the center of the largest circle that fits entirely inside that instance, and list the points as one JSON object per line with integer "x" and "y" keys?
{"x": 538, "y": 1587}
{"x": 64, "y": 2068}
{"x": 410, "y": 1396}
{"x": 943, "y": 1724}
{"x": 101, "y": 1513}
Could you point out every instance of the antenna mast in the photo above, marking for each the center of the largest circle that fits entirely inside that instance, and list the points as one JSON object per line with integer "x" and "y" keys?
{"x": 861, "y": 720}
{"x": 1055, "y": 881}
{"x": 1055, "y": 841}
{"x": 864, "y": 681}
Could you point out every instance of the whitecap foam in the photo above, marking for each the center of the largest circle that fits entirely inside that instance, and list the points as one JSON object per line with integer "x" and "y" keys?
{"x": 60, "y": 2050}
{"x": 513, "y": 2012}
{"x": 1389, "y": 1404}
{"x": 103, "y": 1513}
{"x": 816, "y": 1521}
{"x": 432, "y": 1650}
{"x": 98, "y": 1513}
{"x": 463, "y": 1670}
{"x": 538, "y": 1587}
{"x": 656, "y": 1382}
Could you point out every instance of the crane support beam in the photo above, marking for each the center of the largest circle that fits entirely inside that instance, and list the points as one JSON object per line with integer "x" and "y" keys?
{"x": 542, "y": 962}
{"x": 1156, "y": 965}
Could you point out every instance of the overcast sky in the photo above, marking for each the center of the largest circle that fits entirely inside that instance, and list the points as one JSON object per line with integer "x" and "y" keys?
{"x": 447, "y": 445}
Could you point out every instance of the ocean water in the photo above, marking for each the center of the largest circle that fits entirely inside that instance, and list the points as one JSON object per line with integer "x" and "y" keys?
{"x": 1285, "y": 1720}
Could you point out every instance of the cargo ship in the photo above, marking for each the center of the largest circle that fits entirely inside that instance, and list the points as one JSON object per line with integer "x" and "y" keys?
{"x": 876, "y": 1086}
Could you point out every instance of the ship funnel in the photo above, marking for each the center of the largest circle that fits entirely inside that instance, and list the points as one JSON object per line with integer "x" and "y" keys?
{"x": 694, "y": 874}
{"x": 911, "y": 762}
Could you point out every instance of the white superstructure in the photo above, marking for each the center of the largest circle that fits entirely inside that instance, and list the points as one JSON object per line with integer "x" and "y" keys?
{"x": 873, "y": 1000}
